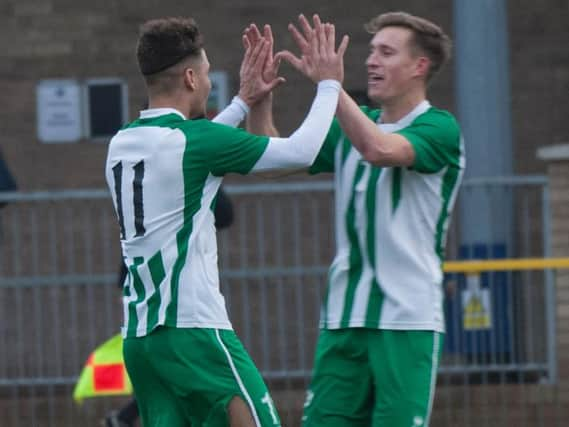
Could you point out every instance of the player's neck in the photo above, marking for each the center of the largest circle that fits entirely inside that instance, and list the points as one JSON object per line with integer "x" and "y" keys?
{"x": 170, "y": 102}
{"x": 394, "y": 109}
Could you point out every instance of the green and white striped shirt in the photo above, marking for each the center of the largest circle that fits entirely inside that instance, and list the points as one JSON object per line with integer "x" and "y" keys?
{"x": 164, "y": 172}
{"x": 391, "y": 225}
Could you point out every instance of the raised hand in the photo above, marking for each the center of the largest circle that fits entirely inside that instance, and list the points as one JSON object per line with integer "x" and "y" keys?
{"x": 271, "y": 67}
{"x": 259, "y": 70}
{"x": 319, "y": 59}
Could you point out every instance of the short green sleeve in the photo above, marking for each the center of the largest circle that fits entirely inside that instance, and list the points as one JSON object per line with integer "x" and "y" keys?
{"x": 324, "y": 162}
{"x": 435, "y": 137}
{"x": 226, "y": 149}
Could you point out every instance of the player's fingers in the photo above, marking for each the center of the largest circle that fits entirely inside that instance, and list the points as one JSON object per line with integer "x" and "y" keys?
{"x": 262, "y": 57}
{"x": 276, "y": 64}
{"x": 305, "y": 26}
{"x": 315, "y": 45}
{"x": 246, "y": 42}
{"x": 317, "y": 22}
{"x": 290, "y": 58}
{"x": 260, "y": 54}
{"x": 256, "y": 51}
{"x": 300, "y": 40}
{"x": 320, "y": 34}
{"x": 247, "y": 32}
{"x": 255, "y": 33}
{"x": 343, "y": 45}
{"x": 272, "y": 65}
{"x": 331, "y": 36}
{"x": 268, "y": 34}
{"x": 276, "y": 82}
{"x": 246, "y": 63}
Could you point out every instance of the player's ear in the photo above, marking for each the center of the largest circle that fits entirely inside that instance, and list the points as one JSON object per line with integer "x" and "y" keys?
{"x": 422, "y": 66}
{"x": 190, "y": 79}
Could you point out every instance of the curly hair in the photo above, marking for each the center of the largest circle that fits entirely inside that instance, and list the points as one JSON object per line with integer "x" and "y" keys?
{"x": 165, "y": 42}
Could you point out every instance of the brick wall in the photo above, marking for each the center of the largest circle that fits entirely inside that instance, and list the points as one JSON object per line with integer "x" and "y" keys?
{"x": 556, "y": 158}
{"x": 539, "y": 78}
{"x": 84, "y": 39}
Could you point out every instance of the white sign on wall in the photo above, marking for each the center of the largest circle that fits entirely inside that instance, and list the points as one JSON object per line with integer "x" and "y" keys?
{"x": 59, "y": 111}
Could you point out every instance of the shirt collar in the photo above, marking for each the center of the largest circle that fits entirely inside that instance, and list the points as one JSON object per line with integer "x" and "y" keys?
{"x": 406, "y": 120}
{"x": 156, "y": 112}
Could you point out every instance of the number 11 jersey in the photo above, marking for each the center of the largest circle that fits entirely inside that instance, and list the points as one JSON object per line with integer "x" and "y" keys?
{"x": 163, "y": 172}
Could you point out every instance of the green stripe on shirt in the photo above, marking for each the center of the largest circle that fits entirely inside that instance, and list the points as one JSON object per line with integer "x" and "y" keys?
{"x": 375, "y": 295}
{"x": 140, "y": 295}
{"x": 355, "y": 271}
{"x": 157, "y": 273}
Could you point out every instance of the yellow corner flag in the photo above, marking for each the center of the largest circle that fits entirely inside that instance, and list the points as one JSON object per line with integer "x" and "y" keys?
{"x": 104, "y": 373}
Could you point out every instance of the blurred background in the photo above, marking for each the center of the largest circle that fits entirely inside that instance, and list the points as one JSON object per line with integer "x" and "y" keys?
{"x": 69, "y": 80}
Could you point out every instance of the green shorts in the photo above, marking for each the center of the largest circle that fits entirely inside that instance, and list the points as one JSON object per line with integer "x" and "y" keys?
{"x": 187, "y": 377}
{"x": 370, "y": 377}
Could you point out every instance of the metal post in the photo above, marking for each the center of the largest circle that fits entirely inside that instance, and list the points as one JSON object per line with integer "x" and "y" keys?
{"x": 550, "y": 298}
{"x": 483, "y": 102}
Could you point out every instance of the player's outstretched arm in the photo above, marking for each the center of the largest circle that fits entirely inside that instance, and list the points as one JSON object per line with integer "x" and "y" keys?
{"x": 318, "y": 58}
{"x": 260, "y": 119}
{"x": 375, "y": 146}
{"x": 323, "y": 64}
{"x": 255, "y": 83}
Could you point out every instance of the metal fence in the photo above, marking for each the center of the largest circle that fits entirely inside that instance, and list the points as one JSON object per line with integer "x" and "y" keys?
{"x": 518, "y": 337}
{"x": 59, "y": 299}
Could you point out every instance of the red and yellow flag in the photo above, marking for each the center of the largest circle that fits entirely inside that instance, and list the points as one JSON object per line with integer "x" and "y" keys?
{"x": 104, "y": 373}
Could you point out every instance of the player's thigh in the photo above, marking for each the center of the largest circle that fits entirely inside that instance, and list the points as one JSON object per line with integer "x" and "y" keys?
{"x": 245, "y": 382}
{"x": 158, "y": 405}
{"x": 340, "y": 393}
{"x": 405, "y": 367}
{"x": 200, "y": 371}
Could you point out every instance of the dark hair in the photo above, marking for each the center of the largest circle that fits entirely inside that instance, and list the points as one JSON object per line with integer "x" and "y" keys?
{"x": 165, "y": 42}
{"x": 428, "y": 37}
